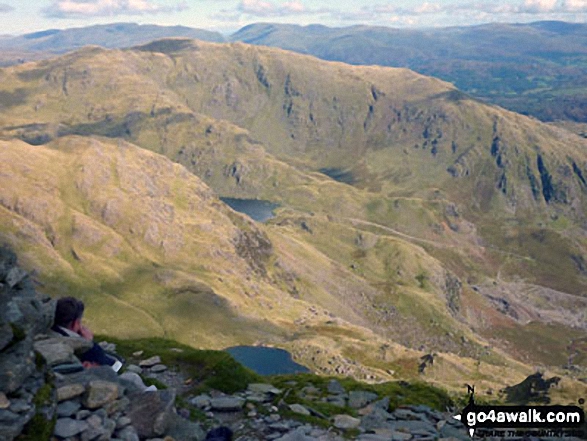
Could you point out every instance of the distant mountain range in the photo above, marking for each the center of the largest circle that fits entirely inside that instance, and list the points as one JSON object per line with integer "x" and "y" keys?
{"x": 538, "y": 69}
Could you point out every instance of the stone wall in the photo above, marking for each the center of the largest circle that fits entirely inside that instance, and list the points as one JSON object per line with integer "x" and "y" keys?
{"x": 24, "y": 314}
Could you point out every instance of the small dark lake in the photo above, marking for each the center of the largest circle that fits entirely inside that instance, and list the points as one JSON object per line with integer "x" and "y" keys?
{"x": 257, "y": 209}
{"x": 340, "y": 175}
{"x": 266, "y": 361}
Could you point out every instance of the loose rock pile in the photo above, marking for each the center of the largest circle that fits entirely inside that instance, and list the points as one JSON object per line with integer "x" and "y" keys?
{"x": 23, "y": 314}
{"x": 255, "y": 415}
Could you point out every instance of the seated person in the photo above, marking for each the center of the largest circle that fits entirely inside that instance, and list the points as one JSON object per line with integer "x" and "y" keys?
{"x": 68, "y": 322}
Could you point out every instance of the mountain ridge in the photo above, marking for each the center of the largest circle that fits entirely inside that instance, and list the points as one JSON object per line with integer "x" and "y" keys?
{"x": 412, "y": 255}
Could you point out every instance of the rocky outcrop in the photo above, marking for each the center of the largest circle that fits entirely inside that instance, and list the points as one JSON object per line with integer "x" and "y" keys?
{"x": 45, "y": 393}
{"x": 23, "y": 376}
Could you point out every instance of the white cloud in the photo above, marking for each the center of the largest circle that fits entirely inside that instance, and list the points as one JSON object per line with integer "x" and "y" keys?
{"x": 262, "y": 8}
{"x": 84, "y": 8}
{"x": 539, "y": 5}
{"x": 575, "y": 5}
{"x": 427, "y": 8}
{"x": 294, "y": 6}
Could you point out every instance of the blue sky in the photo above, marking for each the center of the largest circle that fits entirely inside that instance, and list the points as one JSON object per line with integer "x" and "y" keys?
{"x": 21, "y": 16}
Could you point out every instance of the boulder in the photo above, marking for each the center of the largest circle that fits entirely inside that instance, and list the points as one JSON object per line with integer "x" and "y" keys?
{"x": 69, "y": 391}
{"x": 4, "y": 401}
{"x": 100, "y": 393}
{"x": 334, "y": 387}
{"x": 68, "y": 427}
{"x": 150, "y": 413}
{"x": 67, "y": 409}
{"x": 227, "y": 404}
{"x": 298, "y": 408}
{"x": 16, "y": 365}
{"x": 54, "y": 352}
{"x": 358, "y": 398}
{"x": 150, "y": 362}
{"x": 346, "y": 422}
{"x": 184, "y": 430}
{"x": 263, "y": 388}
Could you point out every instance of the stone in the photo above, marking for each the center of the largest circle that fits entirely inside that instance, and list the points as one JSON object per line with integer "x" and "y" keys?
{"x": 70, "y": 391}
{"x": 150, "y": 362}
{"x": 263, "y": 388}
{"x": 134, "y": 369}
{"x": 450, "y": 431}
{"x": 296, "y": 435}
{"x": 298, "y": 408}
{"x": 334, "y": 387}
{"x": 16, "y": 365}
{"x": 310, "y": 390}
{"x": 4, "y": 401}
{"x": 400, "y": 436}
{"x": 373, "y": 437}
{"x": 346, "y": 422}
{"x": 128, "y": 434}
{"x": 6, "y": 416}
{"x": 67, "y": 408}
{"x": 337, "y": 400}
{"x": 281, "y": 426}
{"x": 201, "y": 401}
{"x": 227, "y": 404}
{"x": 358, "y": 398}
{"x": 150, "y": 413}
{"x": 54, "y": 352}
{"x": 123, "y": 422}
{"x": 413, "y": 426}
{"x": 100, "y": 393}
{"x": 14, "y": 277}
{"x": 184, "y": 430}
{"x": 6, "y": 335}
{"x": 376, "y": 419}
{"x": 67, "y": 427}
{"x": 120, "y": 405}
{"x": 138, "y": 353}
{"x": 82, "y": 414}
{"x": 158, "y": 368}
{"x": 20, "y": 406}
{"x": 407, "y": 414}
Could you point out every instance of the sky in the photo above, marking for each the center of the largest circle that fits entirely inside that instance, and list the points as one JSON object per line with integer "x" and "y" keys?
{"x": 226, "y": 16}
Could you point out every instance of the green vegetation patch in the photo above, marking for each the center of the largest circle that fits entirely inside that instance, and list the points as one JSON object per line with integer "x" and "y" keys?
{"x": 207, "y": 369}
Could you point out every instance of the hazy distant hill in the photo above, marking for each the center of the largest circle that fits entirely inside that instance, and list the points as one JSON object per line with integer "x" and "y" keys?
{"x": 117, "y": 35}
{"x": 461, "y": 232}
{"x": 537, "y": 68}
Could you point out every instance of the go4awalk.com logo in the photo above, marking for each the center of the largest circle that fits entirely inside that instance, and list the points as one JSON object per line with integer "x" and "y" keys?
{"x": 515, "y": 421}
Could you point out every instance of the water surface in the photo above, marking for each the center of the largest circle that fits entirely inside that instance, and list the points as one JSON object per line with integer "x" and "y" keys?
{"x": 266, "y": 361}
{"x": 257, "y": 209}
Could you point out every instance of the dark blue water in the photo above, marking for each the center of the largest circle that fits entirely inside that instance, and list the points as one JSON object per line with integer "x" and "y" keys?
{"x": 266, "y": 361}
{"x": 256, "y": 209}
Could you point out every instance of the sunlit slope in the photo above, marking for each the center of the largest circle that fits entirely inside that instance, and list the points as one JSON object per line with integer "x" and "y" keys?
{"x": 454, "y": 207}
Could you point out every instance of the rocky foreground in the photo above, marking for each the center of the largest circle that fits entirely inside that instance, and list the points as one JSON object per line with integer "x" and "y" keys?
{"x": 45, "y": 395}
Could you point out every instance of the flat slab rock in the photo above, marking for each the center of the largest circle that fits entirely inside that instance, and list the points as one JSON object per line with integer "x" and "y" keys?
{"x": 346, "y": 422}
{"x": 227, "y": 404}
{"x": 68, "y": 427}
{"x": 150, "y": 362}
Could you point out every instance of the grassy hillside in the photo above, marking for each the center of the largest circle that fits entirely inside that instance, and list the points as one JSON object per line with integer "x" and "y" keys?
{"x": 462, "y": 225}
